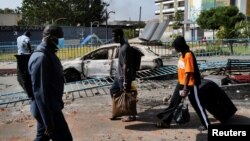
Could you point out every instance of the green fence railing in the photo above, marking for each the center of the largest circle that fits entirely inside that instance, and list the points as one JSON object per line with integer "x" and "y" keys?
{"x": 239, "y": 47}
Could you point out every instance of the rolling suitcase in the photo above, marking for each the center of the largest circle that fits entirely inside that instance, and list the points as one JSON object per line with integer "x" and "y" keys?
{"x": 216, "y": 101}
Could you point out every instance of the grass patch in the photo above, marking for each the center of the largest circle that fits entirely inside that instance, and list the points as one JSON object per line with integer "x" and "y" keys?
{"x": 74, "y": 52}
{"x": 63, "y": 53}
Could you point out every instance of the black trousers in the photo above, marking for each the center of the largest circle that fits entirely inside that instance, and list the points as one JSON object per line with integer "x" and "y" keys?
{"x": 167, "y": 114}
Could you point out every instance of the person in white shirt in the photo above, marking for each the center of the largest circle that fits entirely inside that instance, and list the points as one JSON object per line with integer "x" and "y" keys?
{"x": 23, "y": 43}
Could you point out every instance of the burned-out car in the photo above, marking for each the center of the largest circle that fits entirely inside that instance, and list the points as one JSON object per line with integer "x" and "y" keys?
{"x": 103, "y": 62}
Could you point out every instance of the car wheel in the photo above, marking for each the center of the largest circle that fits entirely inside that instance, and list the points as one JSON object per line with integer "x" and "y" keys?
{"x": 71, "y": 75}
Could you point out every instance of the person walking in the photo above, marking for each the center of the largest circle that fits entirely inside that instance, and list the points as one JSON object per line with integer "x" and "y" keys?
{"x": 23, "y": 43}
{"x": 48, "y": 85}
{"x": 125, "y": 75}
{"x": 189, "y": 80}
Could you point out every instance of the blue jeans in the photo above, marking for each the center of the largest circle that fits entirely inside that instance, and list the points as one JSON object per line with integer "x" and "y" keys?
{"x": 61, "y": 130}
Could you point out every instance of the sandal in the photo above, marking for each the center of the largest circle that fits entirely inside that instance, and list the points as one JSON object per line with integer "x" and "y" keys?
{"x": 201, "y": 128}
{"x": 129, "y": 119}
{"x": 161, "y": 124}
{"x": 113, "y": 118}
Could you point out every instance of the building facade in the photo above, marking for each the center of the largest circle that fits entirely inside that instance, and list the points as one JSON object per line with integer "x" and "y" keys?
{"x": 9, "y": 19}
{"x": 191, "y": 9}
{"x": 166, "y": 10}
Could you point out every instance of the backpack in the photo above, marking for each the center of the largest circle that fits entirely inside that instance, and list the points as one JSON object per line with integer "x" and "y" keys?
{"x": 134, "y": 60}
{"x": 136, "y": 56}
{"x": 23, "y": 76}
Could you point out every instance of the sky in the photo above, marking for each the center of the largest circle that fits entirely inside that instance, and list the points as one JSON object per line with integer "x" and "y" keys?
{"x": 124, "y": 9}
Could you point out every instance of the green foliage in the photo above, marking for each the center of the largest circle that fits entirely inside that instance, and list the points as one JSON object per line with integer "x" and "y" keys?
{"x": 211, "y": 51}
{"x": 36, "y": 12}
{"x": 179, "y": 16}
{"x": 223, "y": 18}
{"x": 229, "y": 16}
{"x": 227, "y": 33}
{"x": 208, "y": 19}
{"x": 214, "y": 18}
{"x": 173, "y": 36}
{"x": 129, "y": 33}
{"x": 244, "y": 28}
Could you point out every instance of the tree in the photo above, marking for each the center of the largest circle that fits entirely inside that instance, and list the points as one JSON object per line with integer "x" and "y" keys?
{"x": 244, "y": 28}
{"x": 178, "y": 18}
{"x": 7, "y": 11}
{"x": 67, "y": 12}
{"x": 207, "y": 19}
{"x": 223, "y": 19}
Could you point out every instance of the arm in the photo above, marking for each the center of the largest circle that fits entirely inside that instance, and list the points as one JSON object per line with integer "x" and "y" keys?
{"x": 189, "y": 71}
{"x": 125, "y": 75}
{"x": 39, "y": 76}
{"x": 125, "y": 67}
{"x": 29, "y": 47}
{"x": 27, "y": 44}
{"x": 185, "y": 88}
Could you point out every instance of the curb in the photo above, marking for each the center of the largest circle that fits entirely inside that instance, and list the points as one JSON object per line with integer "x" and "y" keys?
{"x": 4, "y": 72}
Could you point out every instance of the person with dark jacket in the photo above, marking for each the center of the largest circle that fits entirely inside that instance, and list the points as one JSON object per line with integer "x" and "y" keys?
{"x": 48, "y": 86}
{"x": 124, "y": 76}
{"x": 189, "y": 80}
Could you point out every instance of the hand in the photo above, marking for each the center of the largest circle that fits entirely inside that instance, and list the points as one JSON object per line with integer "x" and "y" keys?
{"x": 184, "y": 93}
{"x": 48, "y": 131}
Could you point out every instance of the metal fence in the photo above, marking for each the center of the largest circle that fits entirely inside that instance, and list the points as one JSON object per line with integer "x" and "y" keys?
{"x": 226, "y": 47}
{"x": 73, "y": 49}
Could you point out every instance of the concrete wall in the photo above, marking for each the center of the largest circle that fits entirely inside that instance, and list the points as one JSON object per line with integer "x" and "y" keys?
{"x": 9, "y": 19}
{"x": 10, "y": 33}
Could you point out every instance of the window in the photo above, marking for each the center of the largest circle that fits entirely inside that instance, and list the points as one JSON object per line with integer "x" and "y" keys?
{"x": 100, "y": 54}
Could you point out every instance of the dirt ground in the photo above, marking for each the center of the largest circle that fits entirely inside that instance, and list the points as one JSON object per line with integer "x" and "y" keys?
{"x": 88, "y": 112}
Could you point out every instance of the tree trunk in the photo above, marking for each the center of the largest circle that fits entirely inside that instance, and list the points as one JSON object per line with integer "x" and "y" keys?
{"x": 231, "y": 47}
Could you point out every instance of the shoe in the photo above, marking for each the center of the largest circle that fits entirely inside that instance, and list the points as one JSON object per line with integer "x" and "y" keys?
{"x": 129, "y": 119}
{"x": 162, "y": 124}
{"x": 202, "y": 128}
{"x": 113, "y": 118}
{"x": 159, "y": 116}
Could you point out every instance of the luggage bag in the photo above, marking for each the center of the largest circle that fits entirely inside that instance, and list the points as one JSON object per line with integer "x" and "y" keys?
{"x": 216, "y": 101}
{"x": 124, "y": 103}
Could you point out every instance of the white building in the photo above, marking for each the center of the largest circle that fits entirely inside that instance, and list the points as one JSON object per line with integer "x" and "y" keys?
{"x": 166, "y": 11}
{"x": 9, "y": 19}
{"x": 191, "y": 9}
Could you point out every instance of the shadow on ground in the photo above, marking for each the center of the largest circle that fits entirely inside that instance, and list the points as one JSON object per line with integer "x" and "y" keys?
{"x": 148, "y": 121}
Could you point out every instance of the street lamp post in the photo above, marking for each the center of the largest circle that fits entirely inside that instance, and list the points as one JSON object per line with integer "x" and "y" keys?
{"x": 91, "y": 24}
{"x": 192, "y": 32}
{"x": 107, "y": 16}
